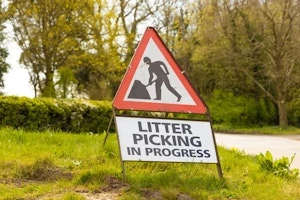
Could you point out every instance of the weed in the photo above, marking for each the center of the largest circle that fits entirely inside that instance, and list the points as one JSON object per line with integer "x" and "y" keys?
{"x": 280, "y": 167}
{"x": 95, "y": 177}
{"x": 85, "y": 178}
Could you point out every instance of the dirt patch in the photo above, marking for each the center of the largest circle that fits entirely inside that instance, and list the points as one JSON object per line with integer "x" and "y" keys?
{"x": 151, "y": 194}
{"x": 50, "y": 174}
{"x": 184, "y": 197}
{"x": 156, "y": 195}
{"x": 101, "y": 196}
{"x": 19, "y": 183}
{"x": 114, "y": 184}
{"x": 43, "y": 170}
{"x": 111, "y": 191}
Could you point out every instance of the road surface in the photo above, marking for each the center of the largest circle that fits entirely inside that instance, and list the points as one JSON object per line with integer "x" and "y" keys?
{"x": 279, "y": 146}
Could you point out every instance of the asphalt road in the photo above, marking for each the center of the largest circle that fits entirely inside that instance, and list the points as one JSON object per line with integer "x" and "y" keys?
{"x": 279, "y": 146}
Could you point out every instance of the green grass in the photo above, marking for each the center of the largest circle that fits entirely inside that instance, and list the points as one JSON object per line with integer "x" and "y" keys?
{"x": 268, "y": 130}
{"x": 54, "y": 165}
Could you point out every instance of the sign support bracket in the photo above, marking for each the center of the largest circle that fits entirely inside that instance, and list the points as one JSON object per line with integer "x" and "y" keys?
{"x": 109, "y": 126}
{"x": 218, "y": 164}
{"x": 105, "y": 139}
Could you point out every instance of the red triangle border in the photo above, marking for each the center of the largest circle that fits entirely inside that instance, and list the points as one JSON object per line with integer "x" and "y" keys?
{"x": 121, "y": 104}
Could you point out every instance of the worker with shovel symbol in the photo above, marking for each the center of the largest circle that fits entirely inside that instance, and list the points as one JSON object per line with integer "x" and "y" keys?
{"x": 161, "y": 77}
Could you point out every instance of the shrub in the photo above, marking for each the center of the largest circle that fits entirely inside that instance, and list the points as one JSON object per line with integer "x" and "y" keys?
{"x": 56, "y": 114}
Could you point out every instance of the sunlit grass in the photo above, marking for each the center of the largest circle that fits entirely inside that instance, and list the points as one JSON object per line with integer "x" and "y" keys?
{"x": 270, "y": 130}
{"x": 56, "y": 165}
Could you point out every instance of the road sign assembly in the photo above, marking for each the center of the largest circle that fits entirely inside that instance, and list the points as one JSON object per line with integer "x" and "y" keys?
{"x": 154, "y": 83}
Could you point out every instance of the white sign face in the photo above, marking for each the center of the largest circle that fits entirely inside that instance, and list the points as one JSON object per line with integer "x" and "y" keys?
{"x": 165, "y": 140}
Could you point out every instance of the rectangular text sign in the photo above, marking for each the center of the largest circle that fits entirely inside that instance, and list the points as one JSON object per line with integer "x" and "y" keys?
{"x": 165, "y": 140}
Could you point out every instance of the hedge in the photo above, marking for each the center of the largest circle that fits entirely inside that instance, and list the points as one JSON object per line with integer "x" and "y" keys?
{"x": 56, "y": 114}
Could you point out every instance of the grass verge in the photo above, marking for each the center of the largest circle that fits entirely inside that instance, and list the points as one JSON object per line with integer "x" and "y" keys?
{"x": 268, "y": 130}
{"x": 54, "y": 165}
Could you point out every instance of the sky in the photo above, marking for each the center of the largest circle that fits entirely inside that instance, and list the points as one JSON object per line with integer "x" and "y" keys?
{"x": 16, "y": 81}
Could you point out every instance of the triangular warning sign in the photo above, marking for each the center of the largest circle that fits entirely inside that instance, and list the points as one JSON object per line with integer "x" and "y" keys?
{"x": 154, "y": 81}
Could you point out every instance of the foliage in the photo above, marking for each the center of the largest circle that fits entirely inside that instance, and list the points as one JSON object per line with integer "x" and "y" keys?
{"x": 294, "y": 109}
{"x": 280, "y": 167}
{"x": 61, "y": 34}
{"x": 66, "y": 82}
{"x": 240, "y": 110}
{"x": 57, "y": 114}
{"x": 83, "y": 36}
{"x": 3, "y": 51}
{"x": 248, "y": 47}
{"x": 48, "y": 32}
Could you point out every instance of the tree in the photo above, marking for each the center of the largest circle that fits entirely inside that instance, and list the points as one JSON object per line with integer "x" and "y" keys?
{"x": 173, "y": 23}
{"x": 258, "y": 46}
{"x": 281, "y": 46}
{"x": 209, "y": 58}
{"x": 101, "y": 64}
{"x": 85, "y": 36}
{"x": 3, "y": 51}
{"x": 113, "y": 37}
{"x": 132, "y": 14}
{"x": 48, "y": 32}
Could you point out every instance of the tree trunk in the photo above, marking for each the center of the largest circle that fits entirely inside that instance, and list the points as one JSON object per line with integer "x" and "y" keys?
{"x": 283, "y": 121}
{"x": 281, "y": 105}
{"x": 49, "y": 90}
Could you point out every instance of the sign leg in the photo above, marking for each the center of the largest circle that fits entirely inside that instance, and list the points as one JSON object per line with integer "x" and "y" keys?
{"x": 219, "y": 170}
{"x": 108, "y": 128}
{"x": 216, "y": 147}
{"x": 123, "y": 170}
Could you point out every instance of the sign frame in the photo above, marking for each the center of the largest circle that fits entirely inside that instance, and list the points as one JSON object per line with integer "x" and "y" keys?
{"x": 136, "y": 110}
